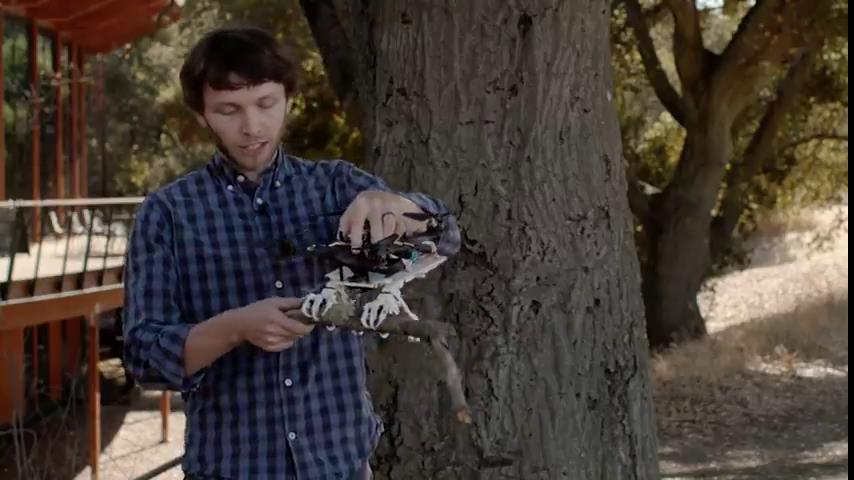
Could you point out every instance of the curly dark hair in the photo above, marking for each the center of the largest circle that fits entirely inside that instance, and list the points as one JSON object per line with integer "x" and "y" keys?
{"x": 234, "y": 58}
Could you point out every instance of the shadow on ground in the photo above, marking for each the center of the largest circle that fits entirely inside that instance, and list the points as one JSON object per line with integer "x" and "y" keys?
{"x": 765, "y": 399}
{"x": 54, "y": 445}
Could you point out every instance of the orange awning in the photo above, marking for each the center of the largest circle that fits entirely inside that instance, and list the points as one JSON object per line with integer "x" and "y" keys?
{"x": 97, "y": 26}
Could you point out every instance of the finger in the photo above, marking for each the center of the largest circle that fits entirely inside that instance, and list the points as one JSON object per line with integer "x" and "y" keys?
{"x": 357, "y": 228}
{"x": 296, "y": 314}
{"x": 399, "y": 227}
{"x": 279, "y": 338}
{"x": 276, "y": 330}
{"x": 288, "y": 303}
{"x": 376, "y": 225}
{"x": 389, "y": 224}
{"x": 278, "y": 346}
{"x": 415, "y": 226}
{"x": 295, "y": 327}
{"x": 266, "y": 339}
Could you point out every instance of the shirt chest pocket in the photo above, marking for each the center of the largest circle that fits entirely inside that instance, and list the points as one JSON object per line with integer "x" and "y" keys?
{"x": 318, "y": 230}
{"x": 296, "y": 265}
{"x": 218, "y": 274}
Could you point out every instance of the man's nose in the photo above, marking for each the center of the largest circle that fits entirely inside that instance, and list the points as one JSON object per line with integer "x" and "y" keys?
{"x": 251, "y": 125}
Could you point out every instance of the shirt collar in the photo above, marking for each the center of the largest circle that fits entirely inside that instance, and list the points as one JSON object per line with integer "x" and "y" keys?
{"x": 275, "y": 173}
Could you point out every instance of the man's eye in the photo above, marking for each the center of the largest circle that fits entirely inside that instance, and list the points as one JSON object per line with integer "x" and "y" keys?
{"x": 268, "y": 103}
{"x": 226, "y": 111}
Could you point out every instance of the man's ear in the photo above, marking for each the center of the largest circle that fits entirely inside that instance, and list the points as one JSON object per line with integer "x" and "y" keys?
{"x": 289, "y": 103}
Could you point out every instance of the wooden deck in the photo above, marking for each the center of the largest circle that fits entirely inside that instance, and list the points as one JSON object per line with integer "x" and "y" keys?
{"x": 66, "y": 293}
{"x": 47, "y": 270}
{"x": 49, "y": 259}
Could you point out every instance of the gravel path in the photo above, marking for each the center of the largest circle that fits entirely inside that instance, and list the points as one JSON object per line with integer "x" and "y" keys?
{"x": 786, "y": 273}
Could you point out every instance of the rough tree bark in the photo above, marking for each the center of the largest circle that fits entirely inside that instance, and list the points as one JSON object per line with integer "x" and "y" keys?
{"x": 715, "y": 90}
{"x": 503, "y": 109}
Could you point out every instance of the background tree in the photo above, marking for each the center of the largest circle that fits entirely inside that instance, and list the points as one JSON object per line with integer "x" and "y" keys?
{"x": 800, "y": 157}
{"x": 505, "y": 111}
{"x": 743, "y": 70}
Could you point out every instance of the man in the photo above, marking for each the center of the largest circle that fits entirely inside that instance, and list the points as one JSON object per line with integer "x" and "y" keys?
{"x": 208, "y": 282}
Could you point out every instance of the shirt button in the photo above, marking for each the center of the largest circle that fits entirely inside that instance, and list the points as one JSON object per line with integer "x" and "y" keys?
{"x": 241, "y": 178}
{"x": 278, "y": 183}
{"x": 289, "y": 382}
{"x": 259, "y": 201}
{"x": 279, "y": 284}
{"x": 292, "y": 436}
{"x": 230, "y": 188}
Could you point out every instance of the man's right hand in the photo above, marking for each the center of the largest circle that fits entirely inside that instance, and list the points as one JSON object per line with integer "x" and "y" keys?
{"x": 265, "y": 325}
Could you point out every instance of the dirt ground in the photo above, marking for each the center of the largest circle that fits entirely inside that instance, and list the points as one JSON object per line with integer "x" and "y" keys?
{"x": 766, "y": 396}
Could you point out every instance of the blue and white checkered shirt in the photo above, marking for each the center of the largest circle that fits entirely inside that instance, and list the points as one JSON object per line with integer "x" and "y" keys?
{"x": 207, "y": 243}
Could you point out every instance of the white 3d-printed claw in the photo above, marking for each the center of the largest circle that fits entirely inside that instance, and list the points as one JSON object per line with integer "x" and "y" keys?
{"x": 388, "y": 302}
{"x": 317, "y": 305}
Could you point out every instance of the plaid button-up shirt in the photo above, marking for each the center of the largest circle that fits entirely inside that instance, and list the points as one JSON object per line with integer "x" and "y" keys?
{"x": 206, "y": 244}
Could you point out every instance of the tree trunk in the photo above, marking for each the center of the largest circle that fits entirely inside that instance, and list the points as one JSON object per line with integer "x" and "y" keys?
{"x": 503, "y": 110}
{"x": 335, "y": 48}
{"x": 680, "y": 255}
{"x": 715, "y": 89}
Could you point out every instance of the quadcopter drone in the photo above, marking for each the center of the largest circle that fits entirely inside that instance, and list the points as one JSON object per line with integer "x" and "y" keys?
{"x": 385, "y": 265}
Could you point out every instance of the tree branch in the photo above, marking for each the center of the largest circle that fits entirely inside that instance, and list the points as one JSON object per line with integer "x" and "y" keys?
{"x": 688, "y": 50}
{"x": 335, "y": 49}
{"x": 344, "y": 315}
{"x": 751, "y": 37}
{"x": 668, "y": 95}
{"x": 761, "y": 147}
{"x": 653, "y": 15}
{"x": 770, "y": 31}
{"x": 812, "y": 138}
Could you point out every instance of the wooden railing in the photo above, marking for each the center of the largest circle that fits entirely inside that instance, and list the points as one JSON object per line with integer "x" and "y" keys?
{"x": 53, "y": 246}
{"x": 61, "y": 263}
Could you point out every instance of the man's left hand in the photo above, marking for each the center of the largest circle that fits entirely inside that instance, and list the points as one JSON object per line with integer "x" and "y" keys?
{"x": 384, "y": 213}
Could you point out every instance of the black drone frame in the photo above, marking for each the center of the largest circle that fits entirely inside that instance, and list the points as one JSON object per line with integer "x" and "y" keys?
{"x": 385, "y": 257}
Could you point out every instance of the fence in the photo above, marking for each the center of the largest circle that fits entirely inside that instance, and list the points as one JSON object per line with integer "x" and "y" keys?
{"x": 51, "y": 246}
{"x": 61, "y": 263}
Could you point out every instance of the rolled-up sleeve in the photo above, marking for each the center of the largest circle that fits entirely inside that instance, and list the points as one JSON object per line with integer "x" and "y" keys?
{"x": 154, "y": 332}
{"x": 353, "y": 180}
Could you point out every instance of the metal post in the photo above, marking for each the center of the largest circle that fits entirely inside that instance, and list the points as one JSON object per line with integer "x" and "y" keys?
{"x": 165, "y": 409}
{"x": 2, "y": 110}
{"x": 59, "y": 164}
{"x": 94, "y": 397}
{"x": 75, "y": 121}
{"x": 35, "y": 125}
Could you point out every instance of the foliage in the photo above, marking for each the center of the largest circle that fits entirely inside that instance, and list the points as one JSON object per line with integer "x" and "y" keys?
{"x": 16, "y": 107}
{"x": 145, "y": 136}
{"x": 811, "y": 166}
{"x": 811, "y": 163}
